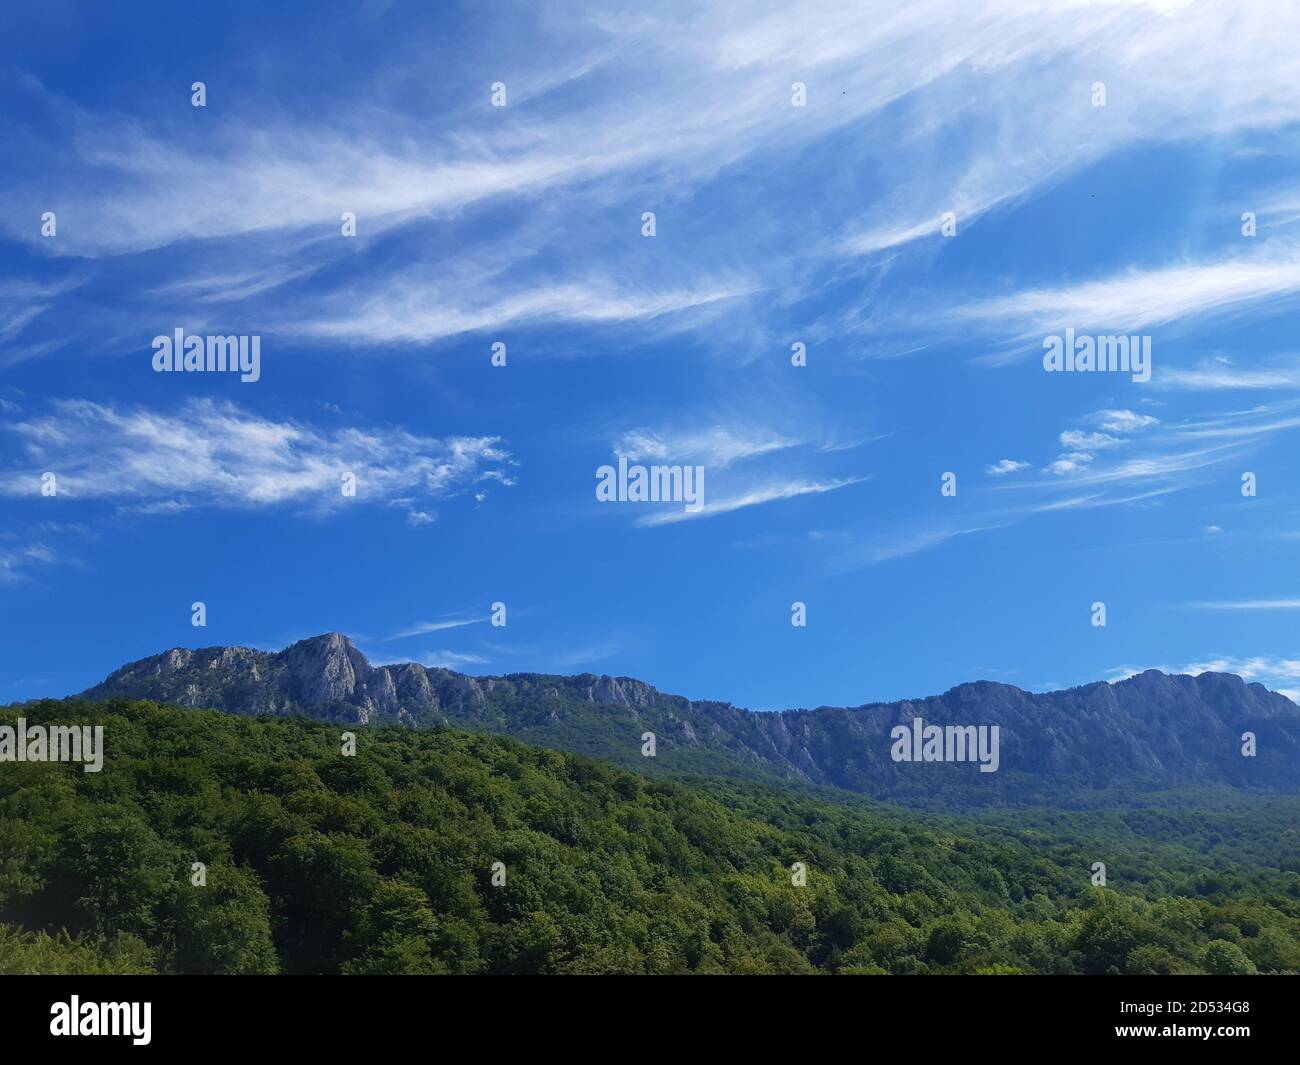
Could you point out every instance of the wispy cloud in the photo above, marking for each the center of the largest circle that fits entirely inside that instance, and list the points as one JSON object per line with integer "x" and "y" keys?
{"x": 1079, "y": 440}
{"x": 715, "y": 447}
{"x": 216, "y": 454}
{"x": 454, "y": 660}
{"x": 1136, "y": 300}
{"x": 15, "y": 561}
{"x": 767, "y": 493}
{"x": 863, "y": 553}
{"x": 584, "y": 656}
{"x": 423, "y": 628}
{"x": 21, "y": 304}
{"x": 404, "y": 309}
{"x": 1135, "y": 460}
{"x": 1248, "y": 604}
{"x": 1255, "y": 423}
{"x": 670, "y": 99}
{"x": 1222, "y": 373}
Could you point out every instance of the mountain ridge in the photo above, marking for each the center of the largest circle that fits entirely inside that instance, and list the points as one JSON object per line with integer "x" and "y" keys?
{"x": 344, "y": 643}
{"x": 1162, "y": 728}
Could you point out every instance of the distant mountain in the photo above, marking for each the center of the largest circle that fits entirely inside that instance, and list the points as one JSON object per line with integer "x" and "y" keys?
{"x": 1150, "y": 731}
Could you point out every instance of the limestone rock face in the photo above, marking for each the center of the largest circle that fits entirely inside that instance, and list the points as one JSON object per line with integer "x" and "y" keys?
{"x": 622, "y": 691}
{"x": 326, "y": 668}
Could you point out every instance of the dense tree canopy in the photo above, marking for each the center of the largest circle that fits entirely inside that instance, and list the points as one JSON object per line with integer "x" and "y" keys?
{"x": 384, "y": 862}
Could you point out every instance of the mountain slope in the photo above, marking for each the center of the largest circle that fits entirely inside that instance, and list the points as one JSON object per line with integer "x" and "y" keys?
{"x": 1151, "y": 730}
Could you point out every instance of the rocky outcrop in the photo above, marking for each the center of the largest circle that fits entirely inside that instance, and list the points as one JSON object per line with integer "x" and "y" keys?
{"x": 621, "y": 691}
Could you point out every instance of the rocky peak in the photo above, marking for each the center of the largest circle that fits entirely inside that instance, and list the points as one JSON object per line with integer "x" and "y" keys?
{"x": 326, "y": 668}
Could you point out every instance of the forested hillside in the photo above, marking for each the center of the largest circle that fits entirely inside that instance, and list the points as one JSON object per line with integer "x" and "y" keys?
{"x": 383, "y": 862}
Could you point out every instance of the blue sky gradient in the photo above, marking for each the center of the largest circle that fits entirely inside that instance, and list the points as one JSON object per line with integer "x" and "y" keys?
{"x": 775, "y": 224}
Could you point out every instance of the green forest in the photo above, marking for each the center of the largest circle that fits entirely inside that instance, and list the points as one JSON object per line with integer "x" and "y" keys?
{"x": 440, "y": 851}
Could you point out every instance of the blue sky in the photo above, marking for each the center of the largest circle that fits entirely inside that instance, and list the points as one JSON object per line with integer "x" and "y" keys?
{"x": 774, "y": 225}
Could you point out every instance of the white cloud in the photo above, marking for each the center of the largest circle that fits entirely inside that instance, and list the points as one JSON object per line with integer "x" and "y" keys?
{"x": 715, "y": 447}
{"x": 21, "y": 304}
{"x": 1254, "y": 423}
{"x": 766, "y": 493}
{"x": 1071, "y": 462}
{"x": 901, "y": 545}
{"x": 1137, "y": 300}
{"x": 731, "y": 451}
{"x": 226, "y": 288}
{"x": 1249, "y": 604}
{"x": 583, "y": 656}
{"x": 15, "y": 561}
{"x": 1171, "y": 460}
{"x": 1076, "y": 440}
{"x": 161, "y": 506}
{"x": 668, "y": 99}
{"x": 453, "y": 660}
{"x": 1170, "y": 463}
{"x": 412, "y": 307}
{"x": 1121, "y": 421}
{"x": 423, "y": 628}
{"x": 1005, "y": 466}
{"x": 215, "y": 454}
{"x": 1081, "y": 445}
{"x": 1220, "y": 373}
